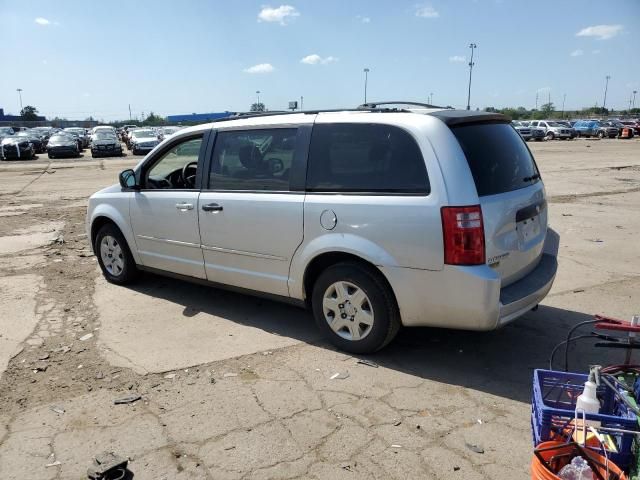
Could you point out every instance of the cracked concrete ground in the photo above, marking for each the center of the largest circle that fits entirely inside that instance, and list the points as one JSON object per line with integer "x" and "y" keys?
{"x": 234, "y": 387}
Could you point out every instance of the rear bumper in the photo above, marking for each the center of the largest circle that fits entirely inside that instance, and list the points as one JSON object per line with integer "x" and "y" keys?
{"x": 470, "y": 298}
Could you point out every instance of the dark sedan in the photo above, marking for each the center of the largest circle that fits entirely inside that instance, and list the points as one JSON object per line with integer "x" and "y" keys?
{"x": 105, "y": 145}
{"x": 38, "y": 144}
{"x": 61, "y": 145}
{"x": 18, "y": 148}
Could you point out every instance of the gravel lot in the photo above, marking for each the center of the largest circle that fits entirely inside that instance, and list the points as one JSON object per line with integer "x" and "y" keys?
{"x": 236, "y": 387}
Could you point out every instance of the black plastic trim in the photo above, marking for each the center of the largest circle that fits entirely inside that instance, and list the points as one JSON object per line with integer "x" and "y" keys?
{"x": 530, "y": 211}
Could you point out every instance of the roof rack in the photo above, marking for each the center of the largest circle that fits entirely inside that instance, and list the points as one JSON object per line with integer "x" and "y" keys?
{"x": 374, "y": 105}
{"x": 361, "y": 108}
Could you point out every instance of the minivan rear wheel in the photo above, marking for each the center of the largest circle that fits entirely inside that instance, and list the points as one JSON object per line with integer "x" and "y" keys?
{"x": 355, "y": 308}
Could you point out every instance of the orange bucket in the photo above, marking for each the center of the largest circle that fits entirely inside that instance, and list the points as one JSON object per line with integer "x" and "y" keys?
{"x": 561, "y": 456}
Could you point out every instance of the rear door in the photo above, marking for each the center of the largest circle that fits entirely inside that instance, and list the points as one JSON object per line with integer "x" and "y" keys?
{"x": 251, "y": 213}
{"x": 511, "y": 194}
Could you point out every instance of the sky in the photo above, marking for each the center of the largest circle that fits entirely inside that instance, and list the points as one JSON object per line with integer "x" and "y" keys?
{"x": 75, "y": 59}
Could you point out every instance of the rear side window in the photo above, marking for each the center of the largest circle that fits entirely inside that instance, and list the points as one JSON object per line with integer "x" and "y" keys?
{"x": 498, "y": 157}
{"x": 365, "y": 158}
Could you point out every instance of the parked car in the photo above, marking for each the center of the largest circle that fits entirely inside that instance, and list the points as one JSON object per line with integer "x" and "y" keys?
{"x": 524, "y": 131}
{"x": 39, "y": 145}
{"x": 81, "y": 134}
{"x": 574, "y": 132}
{"x": 166, "y": 132}
{"x": 538, "y": 134}
{"x": 635, "y": 125}
{"x": 63, "y": 145}
{"x": 624, "y": 131}
{"x": 6, "y": 132}
{"x": 16, "y": 147}
{"x": 552, "y": 129}
{"x": 143, "y": 140}
{"x": 586, "y": 128}
{"x": 607, "y": 129}
{"x": 373, "y": 219}
{"x": 105, "y": 145}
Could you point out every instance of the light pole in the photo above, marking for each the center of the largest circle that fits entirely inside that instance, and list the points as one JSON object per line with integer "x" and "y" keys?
{"x": 564, "y": 97}
{"x": 258, "y": 97}
{"x": 301, "y": 102}
{"x": 19, "y": 90}
{"x": 536, "y": 100}
{"x": 634, "y": 98}
{"x": 606, "y": 86}
{"x": 472, "y": 46}
{"x": 366, "y": 78}
{"x": 431, "y": 98}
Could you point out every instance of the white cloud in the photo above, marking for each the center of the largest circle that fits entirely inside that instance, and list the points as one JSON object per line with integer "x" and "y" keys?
{"x": 282, "y": 14}
{"x": 577, "y": 53}
{"x": 315, "y": 59}
{"x": 426, "y": 11}
{"x": 602, "y": 32}
{"x": 42, "y": 21}
{"x": 458, "y": 59}
{"x": 363, "y": 18}
{"x": 260, "y": 68}
{"x": 596, "y": 51}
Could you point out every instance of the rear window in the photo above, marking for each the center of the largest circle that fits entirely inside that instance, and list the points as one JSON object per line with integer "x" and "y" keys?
{"x": 365, "y": 158}
{"x": 498, "y": 157}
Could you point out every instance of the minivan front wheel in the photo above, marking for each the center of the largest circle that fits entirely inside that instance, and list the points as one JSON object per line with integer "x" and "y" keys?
{"x": 115, "y": 259}
{"x": 355, "y": 308}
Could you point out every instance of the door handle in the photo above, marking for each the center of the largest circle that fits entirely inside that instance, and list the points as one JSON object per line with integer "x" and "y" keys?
{"x": 212, "y": 207}
{"x": 184, "y": 206}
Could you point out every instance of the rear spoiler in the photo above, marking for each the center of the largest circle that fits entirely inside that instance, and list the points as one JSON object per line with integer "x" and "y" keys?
{"x": 454, "y": 118}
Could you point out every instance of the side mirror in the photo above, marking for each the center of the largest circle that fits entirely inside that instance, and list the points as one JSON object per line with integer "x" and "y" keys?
{"x": 128, "y": 179}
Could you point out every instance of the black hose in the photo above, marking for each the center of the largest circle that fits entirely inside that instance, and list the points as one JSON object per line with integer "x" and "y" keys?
{"x": 568, "y": 340}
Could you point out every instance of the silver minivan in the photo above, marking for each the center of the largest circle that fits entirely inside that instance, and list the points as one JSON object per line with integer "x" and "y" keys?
{"x": 374, "y": 218}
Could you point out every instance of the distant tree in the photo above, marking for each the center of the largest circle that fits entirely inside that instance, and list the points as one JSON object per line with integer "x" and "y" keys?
{"x": 491, "y": 110}
{"x": 154, "y": 120}
{"x": 89, "y": 119}
{"x": 29, "y": 113}
{"x": 547, "y": 108}
{"x": 257, "y": 107}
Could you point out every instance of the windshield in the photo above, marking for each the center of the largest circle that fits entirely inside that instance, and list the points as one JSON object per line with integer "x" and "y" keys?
{"x": 60, "y": 139}
{"x": 105, "y": 136}
{"x": 144, "y": 133}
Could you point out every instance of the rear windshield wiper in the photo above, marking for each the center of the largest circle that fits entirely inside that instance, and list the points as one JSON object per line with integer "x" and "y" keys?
{"x": 531, "y": 178}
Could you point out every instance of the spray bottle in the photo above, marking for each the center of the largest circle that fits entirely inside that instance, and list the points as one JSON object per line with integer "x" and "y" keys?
{"x": 588, "y": 400}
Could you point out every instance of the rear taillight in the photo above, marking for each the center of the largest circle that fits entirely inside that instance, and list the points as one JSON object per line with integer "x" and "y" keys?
{"x": 463, "y": 235}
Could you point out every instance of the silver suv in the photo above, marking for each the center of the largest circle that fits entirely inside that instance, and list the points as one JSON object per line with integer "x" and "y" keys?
{"x": 373, "y": 218}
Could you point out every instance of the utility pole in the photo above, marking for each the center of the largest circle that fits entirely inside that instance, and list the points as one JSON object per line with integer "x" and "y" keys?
{"x": 129, "y": 112}
{"x": 630, "y": 101}
{"x": 431, "y": 98}
{"x": 301, "y": 102}
{"x": 549, "y": 98}
{"x": 606, "y": 86}
{"x": 564, "y": 97}
{"x": 634, "y": 99}
{"x": 536, "y": 100}
{"x": 19, "y": 90}
{"x": 366, "y": 78}
{"x": 472, "y": 46}
{"x": 258, "y": 97}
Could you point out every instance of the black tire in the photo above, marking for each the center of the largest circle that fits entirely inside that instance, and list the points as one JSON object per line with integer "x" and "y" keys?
{"x": 550, "y": 136}
{"x": 129, "y": 270}
{"x": 50, "y": 155}
{"x": 601, "y": 135}
{"x": 381, "y": 301}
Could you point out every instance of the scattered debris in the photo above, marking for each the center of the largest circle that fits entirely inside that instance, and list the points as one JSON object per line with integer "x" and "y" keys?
{"x": 397, "y": 424}
{"x": 170, "y": 376}
{"x": 339, "y": 376}
{"x": 54, "y": 464}
{"x": 596, "y": 240}
{"x": 62, "y": 349}
{"x": 57, "y": 409}
{"x": 578, "y": 290}
{"x": 480, "y": 421}
{"x": 106, "y": 466}
{"x": 212, "y": 380}
{"x": 395, "y": 445}
{"x": 229, "y": 375}
{"x": 456, "y": 468}
{"x": 368, "y": 363}
{"x": 567, "y": 215}
{"x": 126, "y": 400}
{"x": 86, "y": 337}
{"x": 44, "y": 357}
{"x": 230, "y": 447}
{"x": 59, "y": 239}
{"x": 99, "y": 375}
{"x": 267, "y": 353}
{"x": 474, "y": 448}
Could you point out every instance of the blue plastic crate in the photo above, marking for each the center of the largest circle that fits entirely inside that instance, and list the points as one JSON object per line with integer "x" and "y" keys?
{"x": 553, "y": 409}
